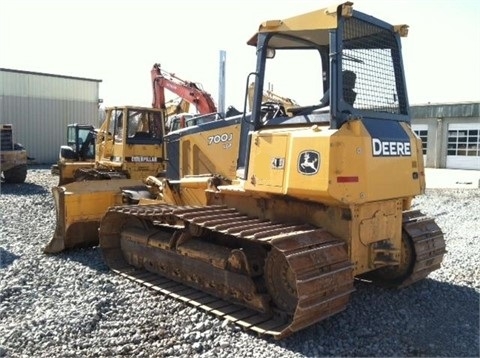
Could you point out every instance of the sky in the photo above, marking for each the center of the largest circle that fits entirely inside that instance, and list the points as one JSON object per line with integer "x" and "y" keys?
{"x": 119, "y": 41}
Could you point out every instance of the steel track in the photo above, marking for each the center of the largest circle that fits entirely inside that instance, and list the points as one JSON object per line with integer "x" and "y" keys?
{"x": 319, "y": 262}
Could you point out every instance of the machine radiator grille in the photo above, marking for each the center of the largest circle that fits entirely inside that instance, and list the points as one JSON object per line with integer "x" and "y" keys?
{"x": 6, "y": 140}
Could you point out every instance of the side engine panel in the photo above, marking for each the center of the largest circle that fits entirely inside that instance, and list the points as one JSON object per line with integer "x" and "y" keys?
{"x": 209, "y": 148}
{"x": 355, "y": 164}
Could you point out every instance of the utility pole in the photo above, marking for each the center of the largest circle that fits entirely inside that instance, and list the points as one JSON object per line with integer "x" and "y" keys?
{"x": 221, "y": 82}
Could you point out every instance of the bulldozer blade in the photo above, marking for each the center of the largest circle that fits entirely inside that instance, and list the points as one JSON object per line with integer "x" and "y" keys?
{"x": 79, "y": 208}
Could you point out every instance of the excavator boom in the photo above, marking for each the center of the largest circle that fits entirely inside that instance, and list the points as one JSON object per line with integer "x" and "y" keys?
{"x": 189, "y": 91}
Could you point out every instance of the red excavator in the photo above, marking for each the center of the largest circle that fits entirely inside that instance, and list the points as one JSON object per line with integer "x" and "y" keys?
{"x": 188, "y": 91}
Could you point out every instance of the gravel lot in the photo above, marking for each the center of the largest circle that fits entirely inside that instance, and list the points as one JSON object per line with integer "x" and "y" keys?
{"x": 70, "y": 305}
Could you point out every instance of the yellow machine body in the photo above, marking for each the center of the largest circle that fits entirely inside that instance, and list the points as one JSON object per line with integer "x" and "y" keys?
{"x": 79, "y": 208}
{"x": 210, "y": 148}
{"x": 341, "y": 186}
{"x": 333, "y": 166}
{"x": 273, "y": 237}
{"x": 117, "y": 153}
{"x": 13, "y": 157}
{"x": 202, "y": 150}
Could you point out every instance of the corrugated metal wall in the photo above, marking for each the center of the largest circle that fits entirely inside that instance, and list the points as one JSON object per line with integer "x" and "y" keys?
{"x": 41, "y": 105}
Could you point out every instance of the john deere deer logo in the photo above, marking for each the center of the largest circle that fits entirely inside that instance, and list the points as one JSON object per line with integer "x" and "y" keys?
{"x": 308, "y": 162}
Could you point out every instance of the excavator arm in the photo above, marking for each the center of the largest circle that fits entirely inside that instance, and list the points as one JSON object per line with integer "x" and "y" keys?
{"x": 189, "y": 91}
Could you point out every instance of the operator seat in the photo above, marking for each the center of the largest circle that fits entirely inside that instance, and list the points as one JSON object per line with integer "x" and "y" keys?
{"x": 349, "y": 95}
{"x": 349, "y": 79}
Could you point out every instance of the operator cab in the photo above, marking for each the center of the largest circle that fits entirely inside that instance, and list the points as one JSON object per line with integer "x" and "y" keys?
{"x": 184, "y": 120}
{"x": 340, "y": 64}
{"x": 350, "y": 68}
{"x": 136, "y": 125}
{"x": 80, "y": 143}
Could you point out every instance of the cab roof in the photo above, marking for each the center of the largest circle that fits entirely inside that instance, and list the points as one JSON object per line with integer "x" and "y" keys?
{"x": 312, "y": 26}
{"x": 305, "y": 26}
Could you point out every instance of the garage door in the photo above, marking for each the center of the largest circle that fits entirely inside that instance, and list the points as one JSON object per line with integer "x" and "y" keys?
{"x": 421, "y": 130}
{"x": 463, "y": 146}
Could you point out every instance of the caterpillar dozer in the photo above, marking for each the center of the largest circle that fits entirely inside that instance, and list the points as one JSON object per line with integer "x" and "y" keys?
{"x": 78, "y": 159}
{"x": 13, "y": 163}
{"x": 320, "y": 195}
{"x": 128, "y": 147}
{"x": 79, "y": 152}
{"x": 112, "y": 151}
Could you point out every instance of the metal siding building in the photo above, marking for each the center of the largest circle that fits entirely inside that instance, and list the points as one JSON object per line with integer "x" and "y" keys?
{"x": 40, "y": 105}
{"x": 450, "y": 134}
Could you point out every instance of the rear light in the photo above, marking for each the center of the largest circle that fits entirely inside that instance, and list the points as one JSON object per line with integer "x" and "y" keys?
{"x": 347, "y": 179}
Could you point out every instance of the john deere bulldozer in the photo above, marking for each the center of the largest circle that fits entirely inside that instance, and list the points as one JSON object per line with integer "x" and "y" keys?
{"x": 319, "y": 194}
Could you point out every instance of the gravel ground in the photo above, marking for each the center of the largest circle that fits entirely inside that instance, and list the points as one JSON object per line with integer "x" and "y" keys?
{"x": 70, "y": 305}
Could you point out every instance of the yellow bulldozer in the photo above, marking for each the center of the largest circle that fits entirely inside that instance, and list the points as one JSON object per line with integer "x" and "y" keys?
{"x": 265, "y": 219}
{"x": 13, "y": 157}
{"x": 83, "y": 156}
{"x": 128, "y": 147}
{"x": 128, "y": 136}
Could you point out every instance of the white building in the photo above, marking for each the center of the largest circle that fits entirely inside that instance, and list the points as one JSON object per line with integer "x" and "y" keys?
{"x": 450, "y": 133}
